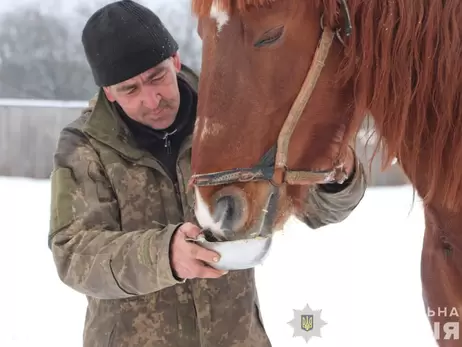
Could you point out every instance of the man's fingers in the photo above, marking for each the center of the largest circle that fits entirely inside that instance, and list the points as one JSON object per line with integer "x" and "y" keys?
{"x": 197, "y": 269}
{"x": 190, "y": 258}
{"x": 190, "y": 230}
{"x": 205, "y": 271}
{"x": 204, "y": 254}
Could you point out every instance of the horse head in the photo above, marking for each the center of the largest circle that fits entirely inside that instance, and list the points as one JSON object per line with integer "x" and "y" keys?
{"x": 272, "y": 121}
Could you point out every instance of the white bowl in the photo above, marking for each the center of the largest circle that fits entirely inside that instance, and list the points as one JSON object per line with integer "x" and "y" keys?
{"x": 239, "y": 254}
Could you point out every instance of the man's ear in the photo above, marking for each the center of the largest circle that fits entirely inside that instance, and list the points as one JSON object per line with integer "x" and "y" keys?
{"x": 177, "y": 61}
{"x": 109, "y": 95}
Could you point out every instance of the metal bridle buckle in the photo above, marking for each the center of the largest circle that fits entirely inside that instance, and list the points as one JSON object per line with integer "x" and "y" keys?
{"x": 347, "y": 27}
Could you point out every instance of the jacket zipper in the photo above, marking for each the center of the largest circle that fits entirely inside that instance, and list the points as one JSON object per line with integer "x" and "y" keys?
{"x": 167, "y": 142}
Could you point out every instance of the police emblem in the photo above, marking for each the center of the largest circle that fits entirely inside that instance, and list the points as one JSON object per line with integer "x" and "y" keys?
{"x": 307, "y": 323}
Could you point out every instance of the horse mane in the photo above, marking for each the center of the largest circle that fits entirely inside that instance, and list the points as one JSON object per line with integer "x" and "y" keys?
{"x": 404, "y": 60}
{"x": 202, "y": 7}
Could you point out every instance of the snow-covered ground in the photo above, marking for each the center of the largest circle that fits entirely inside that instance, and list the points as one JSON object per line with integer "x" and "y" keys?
{"x": 364, "y": 274}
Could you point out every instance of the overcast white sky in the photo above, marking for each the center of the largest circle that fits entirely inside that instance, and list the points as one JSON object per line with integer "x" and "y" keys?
{"x": 45, "y": 4}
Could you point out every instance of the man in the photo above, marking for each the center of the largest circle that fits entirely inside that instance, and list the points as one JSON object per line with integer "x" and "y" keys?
{"x": 120, "y": 211}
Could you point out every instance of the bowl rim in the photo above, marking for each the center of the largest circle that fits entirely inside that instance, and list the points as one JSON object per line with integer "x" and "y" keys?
{"x": 261, "y": 245}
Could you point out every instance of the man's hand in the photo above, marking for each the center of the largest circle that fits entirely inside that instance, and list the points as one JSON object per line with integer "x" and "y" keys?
{"x": 187, "y": 258}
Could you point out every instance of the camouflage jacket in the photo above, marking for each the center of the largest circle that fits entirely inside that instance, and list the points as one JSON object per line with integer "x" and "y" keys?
{"x": 113, "y": 213}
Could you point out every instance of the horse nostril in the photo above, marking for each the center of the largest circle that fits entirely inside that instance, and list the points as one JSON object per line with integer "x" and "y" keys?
{"x": 224, "y": 208}
{"x": 228, "y": 212}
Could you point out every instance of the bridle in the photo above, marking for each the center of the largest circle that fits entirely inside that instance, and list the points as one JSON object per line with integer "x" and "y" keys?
{"x": 272, "y": 167}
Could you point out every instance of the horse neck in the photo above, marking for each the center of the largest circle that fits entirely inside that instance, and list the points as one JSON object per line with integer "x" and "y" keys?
{"x": 415, "y": 100}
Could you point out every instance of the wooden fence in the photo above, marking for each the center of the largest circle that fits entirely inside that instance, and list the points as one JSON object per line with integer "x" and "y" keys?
{"x": 29, "y": 130}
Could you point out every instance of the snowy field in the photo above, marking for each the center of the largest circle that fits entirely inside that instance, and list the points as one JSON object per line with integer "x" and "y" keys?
{"x": 364, "y": 274}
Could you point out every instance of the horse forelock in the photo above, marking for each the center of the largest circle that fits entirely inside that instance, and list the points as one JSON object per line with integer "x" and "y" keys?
{"x": 404, "y": 60}
{"x": 213, "y": 8}
{"x": 220, "y": 15}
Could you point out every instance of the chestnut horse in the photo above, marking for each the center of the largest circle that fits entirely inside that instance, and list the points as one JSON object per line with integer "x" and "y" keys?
{"x": 282, "y": 79}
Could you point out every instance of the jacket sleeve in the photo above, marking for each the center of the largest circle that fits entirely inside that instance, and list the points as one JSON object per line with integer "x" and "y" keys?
{"x": 328, "y": 204}
{"x": 92, "y": 255}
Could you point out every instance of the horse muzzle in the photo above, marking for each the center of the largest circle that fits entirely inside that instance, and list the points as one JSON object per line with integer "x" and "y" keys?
{"x": 231, "y": 212}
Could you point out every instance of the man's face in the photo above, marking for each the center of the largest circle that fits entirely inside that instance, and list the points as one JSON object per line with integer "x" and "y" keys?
{"x": 152, "y": 97}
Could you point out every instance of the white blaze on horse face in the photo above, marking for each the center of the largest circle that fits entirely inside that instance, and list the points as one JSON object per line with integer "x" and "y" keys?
{"x": 219, "y": 15}
{"x": 204, "y": 217}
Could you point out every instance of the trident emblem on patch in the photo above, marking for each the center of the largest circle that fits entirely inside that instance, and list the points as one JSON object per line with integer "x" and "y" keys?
{"x": 307, "y": 322}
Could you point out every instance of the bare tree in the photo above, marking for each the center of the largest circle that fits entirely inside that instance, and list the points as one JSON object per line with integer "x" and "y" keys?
{"x": 39, "y": 58}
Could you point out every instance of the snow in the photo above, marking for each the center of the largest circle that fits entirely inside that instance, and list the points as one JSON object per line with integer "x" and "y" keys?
{"x": 10, "y": 102}
{"x": 364, "y": 274}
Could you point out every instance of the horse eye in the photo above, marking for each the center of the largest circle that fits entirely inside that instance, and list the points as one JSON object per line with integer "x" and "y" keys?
{"x": 270, "y": 36}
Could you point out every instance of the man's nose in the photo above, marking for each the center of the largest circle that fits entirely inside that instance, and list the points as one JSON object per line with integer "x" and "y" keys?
{"x": 151, "y": 99}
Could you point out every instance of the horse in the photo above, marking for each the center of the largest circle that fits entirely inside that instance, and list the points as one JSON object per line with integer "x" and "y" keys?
{"x": 284, "y": 88}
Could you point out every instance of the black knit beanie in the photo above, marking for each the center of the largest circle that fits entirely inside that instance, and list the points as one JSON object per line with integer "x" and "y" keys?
{"x": 122, "y": 40}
